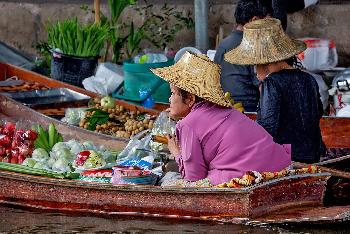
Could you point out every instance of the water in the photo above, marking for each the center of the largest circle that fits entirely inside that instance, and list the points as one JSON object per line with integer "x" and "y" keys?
{"x": 14, "y": 220}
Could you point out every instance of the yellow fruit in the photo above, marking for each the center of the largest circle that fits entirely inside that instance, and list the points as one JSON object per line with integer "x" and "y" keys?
{"x": 227, "y": 96}
{"x": 237, "y": 105}
{"x": 241, "y": 109}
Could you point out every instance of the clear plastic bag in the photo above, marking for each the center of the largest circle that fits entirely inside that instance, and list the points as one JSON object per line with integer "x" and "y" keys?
{"x": 74, "y": 115}
{"x": 137, "y": 148}
{"x": 163, "y": 126}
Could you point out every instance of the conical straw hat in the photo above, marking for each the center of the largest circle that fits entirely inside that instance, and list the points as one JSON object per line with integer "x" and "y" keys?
{"x": 264, "y": 41}
{"x": 197, "y": 75}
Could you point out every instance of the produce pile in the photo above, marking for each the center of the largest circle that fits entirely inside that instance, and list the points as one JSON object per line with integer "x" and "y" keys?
{"x": 108, "y": 118}
{"x": 38, "y": 172}
{"x": 15, "y": 144}
{"x": 47, "y": 138}
{"x": 42, "y": 152}
{"x": 66, "y": 157}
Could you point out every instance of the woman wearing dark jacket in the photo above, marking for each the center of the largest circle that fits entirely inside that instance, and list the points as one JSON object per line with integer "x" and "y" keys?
{"x": 290, "y": 106}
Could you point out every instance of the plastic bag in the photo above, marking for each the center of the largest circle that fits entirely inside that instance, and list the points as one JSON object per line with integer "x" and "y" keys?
{"x": 320, "y": 54}
{"x": 73, "y": 116}
{"x": 137, "y": 148}
{"x": 163, "y": 125}
{"x": 108, "y": 78}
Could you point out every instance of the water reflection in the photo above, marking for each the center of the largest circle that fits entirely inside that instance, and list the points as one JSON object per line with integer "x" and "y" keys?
{"x": 14, "y": 220}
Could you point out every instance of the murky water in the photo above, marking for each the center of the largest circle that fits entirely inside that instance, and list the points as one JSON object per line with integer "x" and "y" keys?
{"x": 14, "y": 220}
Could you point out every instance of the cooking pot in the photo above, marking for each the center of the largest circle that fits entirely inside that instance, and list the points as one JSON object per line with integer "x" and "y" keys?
{"x": 342, "y": 81}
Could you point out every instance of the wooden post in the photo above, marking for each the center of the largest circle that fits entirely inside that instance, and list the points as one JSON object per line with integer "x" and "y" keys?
{"x": 97, "y": 11}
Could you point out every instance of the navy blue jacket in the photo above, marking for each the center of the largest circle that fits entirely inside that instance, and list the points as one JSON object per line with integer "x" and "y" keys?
{"x": 239, "y": 80}
{"x": 290, "y": 110}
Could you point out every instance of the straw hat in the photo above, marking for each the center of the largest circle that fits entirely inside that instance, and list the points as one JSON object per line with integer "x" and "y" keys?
{"x": 264, "y": 41}
{"x": 197, "y": 75}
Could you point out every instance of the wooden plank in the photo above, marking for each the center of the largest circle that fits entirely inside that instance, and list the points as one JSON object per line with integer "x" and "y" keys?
{"x": 333, "y": 172}
{"x": 335, "y": 131}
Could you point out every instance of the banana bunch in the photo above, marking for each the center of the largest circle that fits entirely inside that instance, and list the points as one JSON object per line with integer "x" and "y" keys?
{"x": 238, "y": 106}
{"x": 47, "y": 138}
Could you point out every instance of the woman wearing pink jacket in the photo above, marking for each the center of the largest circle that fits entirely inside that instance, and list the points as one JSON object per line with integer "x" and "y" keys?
{"x": 213, "y": 140}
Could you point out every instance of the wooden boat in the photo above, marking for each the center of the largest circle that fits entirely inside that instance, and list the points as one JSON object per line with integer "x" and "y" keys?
{"x": 335, "y": 131}
{"x": 257, "y": 203}
{"x": 261, "y": 203}
{"x": 13, "y": 111}
{"x": 338, "y": 186}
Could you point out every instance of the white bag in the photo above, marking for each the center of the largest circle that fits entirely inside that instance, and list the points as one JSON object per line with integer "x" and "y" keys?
{"x": 107, "y": 79}
{"x": 321, "y": 54}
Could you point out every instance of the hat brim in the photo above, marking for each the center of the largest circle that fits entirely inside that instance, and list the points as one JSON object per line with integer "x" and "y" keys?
{"x": 243, "y": 55}
{"x": 173, "y": 75}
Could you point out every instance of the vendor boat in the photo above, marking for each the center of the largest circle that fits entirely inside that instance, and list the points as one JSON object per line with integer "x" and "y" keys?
{"x": 271, "y": 201}
{"x": 13, "y": 111}
{"x": 296, "y": 198}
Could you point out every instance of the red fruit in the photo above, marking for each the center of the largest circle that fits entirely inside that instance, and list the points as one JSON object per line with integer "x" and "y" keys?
{"x": 8, "y": 150}
{"x": 5, "y": 140}
{"x": 2, "y": 151}
{"x": 23, "y": 150}
{"x": 30, "y": 135}
{"x": 14, "y": 160}
{"x": 82, "y": 157}
{"x": 9, "y": 129}
{"x": 15, "y": 153}
{"x": 20, "y": 159}
{"x": 5, "y": 159}
{"x": 30, "y": 152}
{"x": 19, "y": 136}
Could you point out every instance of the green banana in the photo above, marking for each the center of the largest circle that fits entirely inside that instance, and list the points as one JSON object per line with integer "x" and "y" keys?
{"x": 52, "y": 133}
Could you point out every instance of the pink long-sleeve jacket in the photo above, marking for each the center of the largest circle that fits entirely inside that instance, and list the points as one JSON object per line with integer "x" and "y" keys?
{"x": 221, "y": 144}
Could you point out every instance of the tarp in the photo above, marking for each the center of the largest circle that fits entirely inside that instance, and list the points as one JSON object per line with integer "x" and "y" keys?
{"x": 13, "y": 56}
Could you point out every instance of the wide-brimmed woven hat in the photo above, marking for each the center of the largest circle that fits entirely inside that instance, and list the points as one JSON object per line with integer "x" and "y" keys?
{"x": 197, "y": 75}
{"x": 264, "y": 41}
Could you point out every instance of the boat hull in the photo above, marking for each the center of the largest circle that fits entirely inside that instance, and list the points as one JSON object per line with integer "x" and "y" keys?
{"x": 57, "y": 194}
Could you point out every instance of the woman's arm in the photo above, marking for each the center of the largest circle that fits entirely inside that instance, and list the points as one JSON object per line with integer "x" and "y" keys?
{"x": 190, "y": 159}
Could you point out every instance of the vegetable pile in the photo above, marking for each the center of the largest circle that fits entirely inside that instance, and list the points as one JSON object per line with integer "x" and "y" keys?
{"x": 107, "y": 118}
{"x": 39, "y": 172}
{"x": 45, "y": 154}
{"x": 63, "y": 155}
{"x": 89, "y": 159}
{"x": 47, "y": 138}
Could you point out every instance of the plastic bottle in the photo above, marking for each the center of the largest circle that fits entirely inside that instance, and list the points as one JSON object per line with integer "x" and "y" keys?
{"x": 146, "y": 96}
{"x": 150, "y": 58}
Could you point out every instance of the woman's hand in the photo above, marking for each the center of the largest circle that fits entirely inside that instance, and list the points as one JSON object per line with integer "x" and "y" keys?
{"x": 173, "y": 145}
{"x": 172, "y": 116}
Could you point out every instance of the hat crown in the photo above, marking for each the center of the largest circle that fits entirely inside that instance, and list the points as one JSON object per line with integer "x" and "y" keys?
{"x": 264, "y": 41}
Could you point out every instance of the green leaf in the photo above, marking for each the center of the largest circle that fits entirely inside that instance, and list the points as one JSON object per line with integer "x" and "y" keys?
{"x": 103, "y": 120}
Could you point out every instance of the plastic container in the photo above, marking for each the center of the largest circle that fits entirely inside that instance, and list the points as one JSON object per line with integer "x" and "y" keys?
{"x": 320, "y": 54}
{"x": 139, "y": 77}
{"x": 132, "y": 175}
{"x": 72, "y": 69}
{"x": 183, "y": 50}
